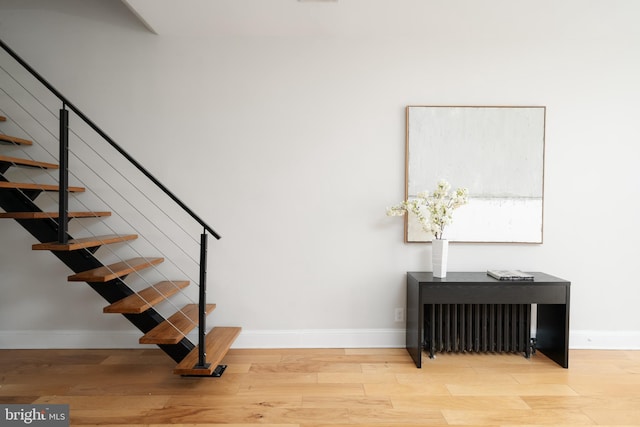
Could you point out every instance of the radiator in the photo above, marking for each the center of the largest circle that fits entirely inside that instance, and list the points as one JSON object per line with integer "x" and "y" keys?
{"x": 493, "y": 328}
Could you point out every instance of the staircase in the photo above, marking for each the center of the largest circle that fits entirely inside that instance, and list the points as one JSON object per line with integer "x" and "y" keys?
{"x": 171, "y": 334}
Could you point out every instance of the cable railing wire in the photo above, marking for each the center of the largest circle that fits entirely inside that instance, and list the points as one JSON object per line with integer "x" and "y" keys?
{"x": 121, "y": 259}
{"x": 67, "y": 104}
{"x": 153, "y": 223}
{"x": 143, "y": 278}
{"x": 108, "y": 139}
{"x": 95, "y": 151}
{"x": 47, "y": 195}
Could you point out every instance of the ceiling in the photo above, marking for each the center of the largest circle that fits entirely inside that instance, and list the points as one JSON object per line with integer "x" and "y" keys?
{"x": 296, "y": 17}
{"x": 510, "y": 21}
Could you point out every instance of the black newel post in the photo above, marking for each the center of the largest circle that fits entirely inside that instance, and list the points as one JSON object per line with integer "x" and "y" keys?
{"x": 202, "y": 303}
{"x": 63, "y": 206}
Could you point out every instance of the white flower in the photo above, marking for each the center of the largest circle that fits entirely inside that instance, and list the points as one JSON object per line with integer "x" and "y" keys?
{"x": 433, "y": 210}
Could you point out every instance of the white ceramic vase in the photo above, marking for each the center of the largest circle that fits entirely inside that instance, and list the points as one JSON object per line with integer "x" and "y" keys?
{"x": 439, "y": 254}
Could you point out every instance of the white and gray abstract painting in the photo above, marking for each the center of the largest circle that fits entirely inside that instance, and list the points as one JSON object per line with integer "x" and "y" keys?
{"x": 496, "y": 152}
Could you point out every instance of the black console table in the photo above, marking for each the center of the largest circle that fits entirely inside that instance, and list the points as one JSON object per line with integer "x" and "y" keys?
{"x": 550, "y": 293}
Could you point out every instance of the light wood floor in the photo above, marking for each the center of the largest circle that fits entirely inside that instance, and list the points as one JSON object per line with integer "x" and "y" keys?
{"x": 336, "y": 387}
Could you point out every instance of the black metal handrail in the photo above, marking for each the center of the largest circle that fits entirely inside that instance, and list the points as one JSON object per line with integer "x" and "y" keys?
{"x": 107, "y": 138}
{"x": 63, "y": 186}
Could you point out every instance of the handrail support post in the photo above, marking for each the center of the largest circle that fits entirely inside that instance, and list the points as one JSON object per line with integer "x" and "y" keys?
{"x": 67, "y": 104}
{"x": 63, "y": 191}
{"x": 202, "y": 303}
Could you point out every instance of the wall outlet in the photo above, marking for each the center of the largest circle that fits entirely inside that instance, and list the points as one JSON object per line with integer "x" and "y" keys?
{"x": 399, "y": 316}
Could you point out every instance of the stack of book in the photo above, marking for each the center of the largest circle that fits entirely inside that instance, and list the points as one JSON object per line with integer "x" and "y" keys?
{"x": 509, "y": 275}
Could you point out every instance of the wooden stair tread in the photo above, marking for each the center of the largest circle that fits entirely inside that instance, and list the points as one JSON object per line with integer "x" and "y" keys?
{"x": 45, "y": 215}
{"x": 176, "y": 327}
{"x": 14, "y": 140}
{"x": 32, "y": 186}
{"x": 3, "y": 119}
{"x": 27, "y": 162}
{"x": 86, "y": 242}
{"x": 113, "y": 271}
{"x": 217, "y": 342}
{"x": 146, "y": 298}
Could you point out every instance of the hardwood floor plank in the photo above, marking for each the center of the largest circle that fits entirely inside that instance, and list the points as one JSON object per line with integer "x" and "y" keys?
{"x": 234, "y": 401}
{"x": 510, "y": 390}
{"x": 345, "y": 402}
{"x": 112, "y": 403}
{"x": 615, "y": 417}
{"x": 378, "y": 351}
{"x": 607, "y": 389}
{"x": 18, "y": 390}
{"x": 334, "y": 387}
{"x": 305, "y": 367}
{"x": 346, "y": 358}
{"x": 197, "y": 425}
{"x": 246, "y": 356}
{"x": 509, "y": 416}
{"x": 417, "y": 402}
{"x": 401, "y": 417}
{"x": 296, "y": 390}
{"x": 270, "y": 379}
{"x": 466, "y": 377}
{"x": 18, "y": 399}
{"x": 572, "y": 378}
{"x": 301, "y": 416}
{"x": 618, "y": 403}
{"x": 357, "y": 377}
{"x": 217, "y": 415}
{"x": 426, "y": 389}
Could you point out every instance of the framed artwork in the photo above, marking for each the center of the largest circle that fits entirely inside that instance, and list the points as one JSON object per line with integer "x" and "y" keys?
{"x": 495, "y": 152}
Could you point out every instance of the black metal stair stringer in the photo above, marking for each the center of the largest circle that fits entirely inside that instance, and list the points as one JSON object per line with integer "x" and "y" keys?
{"x": 46, "y": 230}
{"x": 115, "y": 290}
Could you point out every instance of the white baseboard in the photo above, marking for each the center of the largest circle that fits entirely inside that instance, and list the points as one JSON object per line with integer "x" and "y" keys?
{"x": 70, "y": 339}
{"x": 322, "y": 338}
{"x": 289, "y": 338}
{"x": 605, "y": 340}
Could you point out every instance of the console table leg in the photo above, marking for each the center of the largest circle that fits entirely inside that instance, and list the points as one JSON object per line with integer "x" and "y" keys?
{"x": 432, "y": 331}
{"x": 528, "y": 331}
{"x": 415, "y": 325}
{"x": 553, "y": 332}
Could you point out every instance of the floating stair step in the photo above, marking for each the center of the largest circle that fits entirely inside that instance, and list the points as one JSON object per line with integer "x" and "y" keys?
{"x": 113, "y": 271}
{"x": 14, "y": 140}
{"x": 28, "y": 163}
{"x": 176, "y": 327}
{"x": 40, "y": 187}
{"x": 3, "y": 119}
{"x": 146, "y": 298}
{"x": 86, "y": 242}
{"x": 45, "y": 215}
{"x": 218, "y": 342}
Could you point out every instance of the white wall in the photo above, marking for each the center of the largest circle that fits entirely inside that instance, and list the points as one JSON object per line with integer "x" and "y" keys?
{"x": 292, "y": 147}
